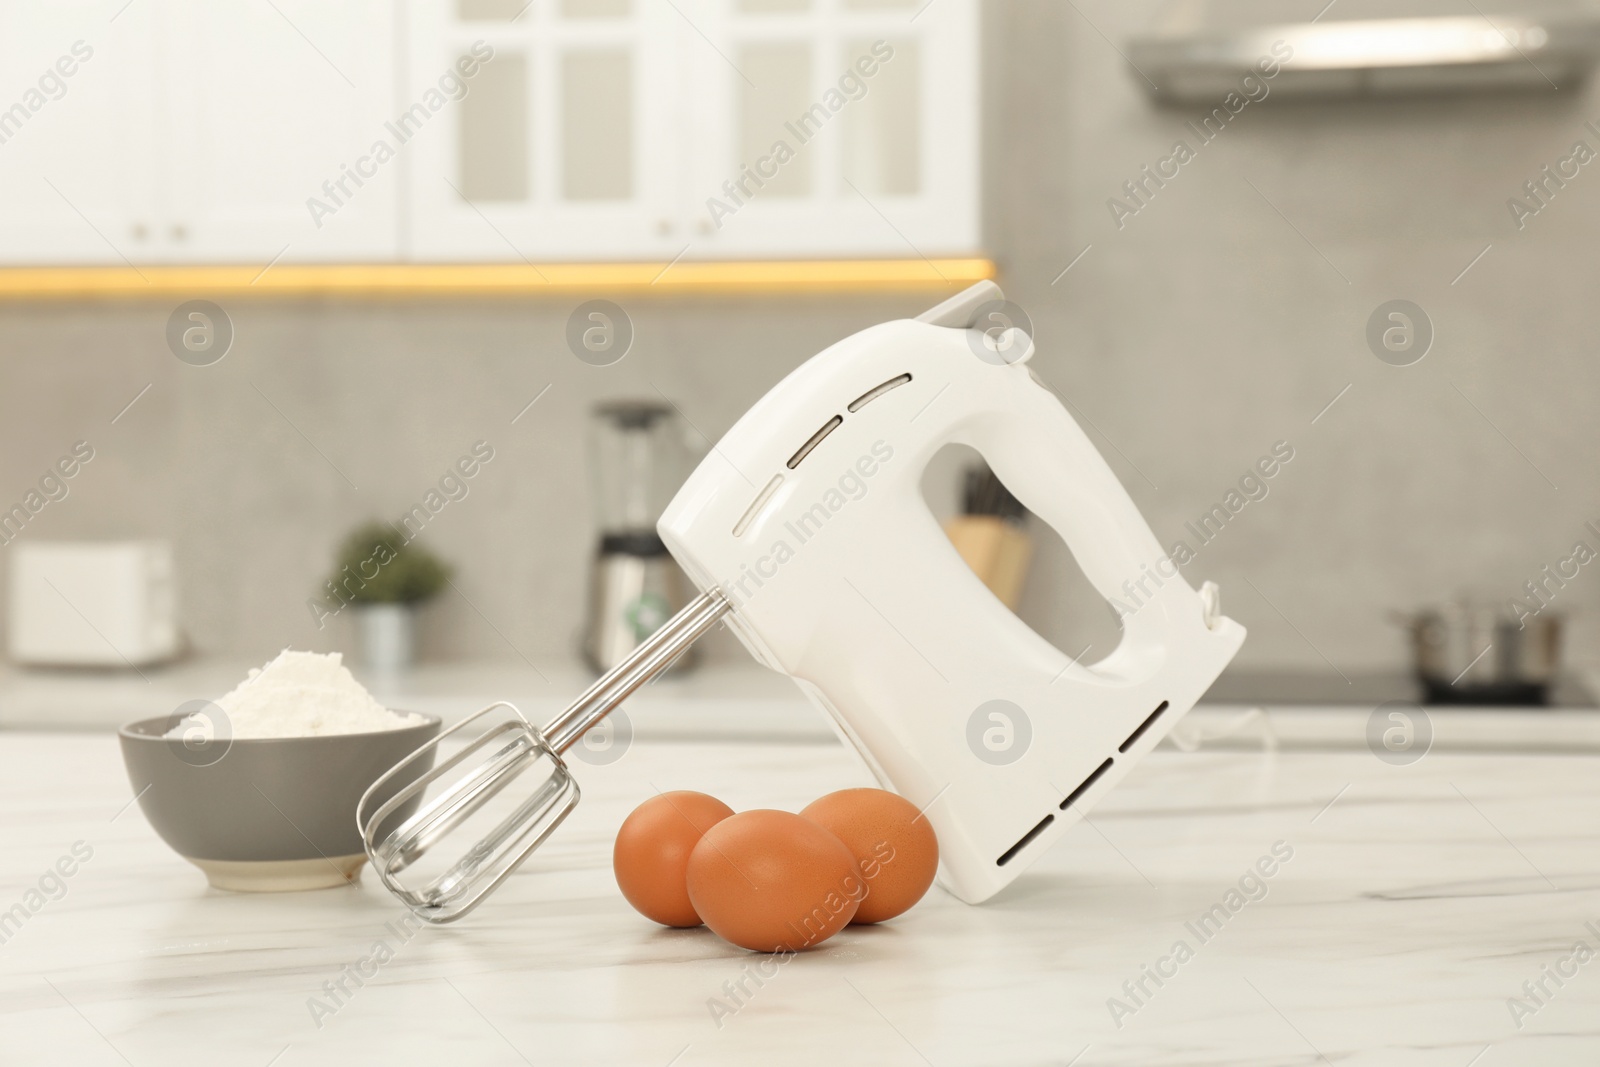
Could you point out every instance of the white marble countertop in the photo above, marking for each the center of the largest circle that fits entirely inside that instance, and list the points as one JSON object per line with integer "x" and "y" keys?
{"x": 1418, "y": 899}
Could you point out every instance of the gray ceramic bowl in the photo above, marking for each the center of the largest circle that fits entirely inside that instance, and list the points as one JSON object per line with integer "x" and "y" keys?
{"x": 267, "y": 814}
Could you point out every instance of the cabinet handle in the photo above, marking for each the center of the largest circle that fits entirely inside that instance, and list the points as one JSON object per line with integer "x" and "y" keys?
{"x": 179, "y": 232}
{"x": 139, "y": 231}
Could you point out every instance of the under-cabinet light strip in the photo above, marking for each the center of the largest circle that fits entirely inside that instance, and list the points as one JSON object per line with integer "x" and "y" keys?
{"x": 491, "y": 279}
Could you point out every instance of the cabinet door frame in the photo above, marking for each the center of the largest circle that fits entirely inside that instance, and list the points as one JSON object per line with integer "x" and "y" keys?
{"x": 835, "y": 219}
{"x": 444, "y": 225}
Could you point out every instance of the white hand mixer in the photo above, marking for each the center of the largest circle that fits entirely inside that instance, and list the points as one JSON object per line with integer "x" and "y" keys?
{"x": 806, "y": 527}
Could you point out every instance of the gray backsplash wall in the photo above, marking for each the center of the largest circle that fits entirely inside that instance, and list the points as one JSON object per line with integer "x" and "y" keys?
{"x": 1217, "y": 321}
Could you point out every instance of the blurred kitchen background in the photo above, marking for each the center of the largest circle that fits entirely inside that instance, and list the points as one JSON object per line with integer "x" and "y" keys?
{"x": 1224, "y": 314}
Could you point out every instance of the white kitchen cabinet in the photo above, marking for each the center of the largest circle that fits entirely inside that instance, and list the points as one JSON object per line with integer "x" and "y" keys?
{"x": 298, "y": 131}
{"x": 273, "y": 110}
{"x": 633, "y": 129}
{"x": 563, "y": 146}
{"x": 880, "y": 113}
{"x": 197, "y": 131}
{"x": 77, "y": 124}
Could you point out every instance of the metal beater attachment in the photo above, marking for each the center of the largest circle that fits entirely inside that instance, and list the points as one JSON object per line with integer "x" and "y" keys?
{"x": 470, "y": 791}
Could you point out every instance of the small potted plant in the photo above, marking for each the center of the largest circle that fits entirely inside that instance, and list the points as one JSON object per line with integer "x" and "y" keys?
{"x": 386, "y": 578}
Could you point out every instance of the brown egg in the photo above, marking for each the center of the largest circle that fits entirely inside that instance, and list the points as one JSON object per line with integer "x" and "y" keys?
{"x": 894, "y": 845}
{"x": 773, "y": 882}
{"x": 652, "y": 853}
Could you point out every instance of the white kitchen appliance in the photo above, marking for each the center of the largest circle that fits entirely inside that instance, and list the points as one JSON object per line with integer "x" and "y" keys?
{"x": 806, "y": 527}
{"x": 92, "y": 603}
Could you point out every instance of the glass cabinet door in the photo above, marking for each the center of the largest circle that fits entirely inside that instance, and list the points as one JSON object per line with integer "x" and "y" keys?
{"x": 560, "y": 146}
{"x": 842, "y": 127}
{"x": 706, "y": 129}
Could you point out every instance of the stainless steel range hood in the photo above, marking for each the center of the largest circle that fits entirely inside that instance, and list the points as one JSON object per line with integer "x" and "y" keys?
{"x": 1202, "y": 49}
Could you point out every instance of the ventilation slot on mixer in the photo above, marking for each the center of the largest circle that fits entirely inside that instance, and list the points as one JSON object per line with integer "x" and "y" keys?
{"x": 875, "y": 392}
{"x": 1154, "y": 715}
{"x": 816, "y": 439}
{"x": 1087, "y": 782}
{"x": 1011, "y": 852}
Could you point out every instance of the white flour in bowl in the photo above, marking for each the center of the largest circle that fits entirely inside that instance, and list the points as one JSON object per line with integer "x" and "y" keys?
{"x": 298, "y": 694}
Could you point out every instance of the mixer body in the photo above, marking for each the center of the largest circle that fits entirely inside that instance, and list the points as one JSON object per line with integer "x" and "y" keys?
{"x": 809, "y": 517}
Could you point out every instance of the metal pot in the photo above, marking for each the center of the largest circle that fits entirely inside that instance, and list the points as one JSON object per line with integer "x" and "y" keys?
{"x": 1474, "y": 653}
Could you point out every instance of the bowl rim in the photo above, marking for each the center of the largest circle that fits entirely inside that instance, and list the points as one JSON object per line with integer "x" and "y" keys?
{"x": 127, "y": 730}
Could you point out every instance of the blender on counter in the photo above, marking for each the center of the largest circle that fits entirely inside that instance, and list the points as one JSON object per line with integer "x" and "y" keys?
{"x": 639, "y": 459}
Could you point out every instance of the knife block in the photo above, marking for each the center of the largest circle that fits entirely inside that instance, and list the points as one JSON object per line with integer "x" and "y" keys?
{"x": 997, "y": 550}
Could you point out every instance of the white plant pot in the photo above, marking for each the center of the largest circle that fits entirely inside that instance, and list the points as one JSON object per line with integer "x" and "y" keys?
{"x": 387, "y": 635}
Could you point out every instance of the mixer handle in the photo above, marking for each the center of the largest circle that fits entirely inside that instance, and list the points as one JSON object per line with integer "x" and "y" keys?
{"x": 1056, "y": 472}
{"x": 1052, "y": 467}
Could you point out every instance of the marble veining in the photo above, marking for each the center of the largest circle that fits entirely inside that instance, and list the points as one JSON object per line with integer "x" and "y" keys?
{"x": 1414, "y": 908}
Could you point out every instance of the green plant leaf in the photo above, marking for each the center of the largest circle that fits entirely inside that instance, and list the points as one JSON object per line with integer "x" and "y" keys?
{"x": 377, "y": 565}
